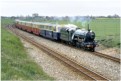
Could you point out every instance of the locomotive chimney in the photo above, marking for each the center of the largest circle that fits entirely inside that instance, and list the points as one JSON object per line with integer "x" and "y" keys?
{"x": 88, "y": 27}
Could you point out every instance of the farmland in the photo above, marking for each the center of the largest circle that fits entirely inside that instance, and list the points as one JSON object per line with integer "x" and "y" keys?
{"x": 15, "y": 63}
{"x": 107, "y": 30}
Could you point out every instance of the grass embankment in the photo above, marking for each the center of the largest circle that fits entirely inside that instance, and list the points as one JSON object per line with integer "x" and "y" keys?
{"x": 15, "y": 64}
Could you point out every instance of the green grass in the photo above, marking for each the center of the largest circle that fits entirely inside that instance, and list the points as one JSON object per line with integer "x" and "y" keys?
{"x": 107, "y": 30}
{"x": 15, "y": 63}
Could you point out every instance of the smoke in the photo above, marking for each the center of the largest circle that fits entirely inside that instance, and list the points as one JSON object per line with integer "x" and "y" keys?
{"x": 83, "y": 20}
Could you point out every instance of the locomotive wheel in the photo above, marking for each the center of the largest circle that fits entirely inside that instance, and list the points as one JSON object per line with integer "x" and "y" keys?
{"x": 92, "y": 49}
{"x": 84, "y": 48}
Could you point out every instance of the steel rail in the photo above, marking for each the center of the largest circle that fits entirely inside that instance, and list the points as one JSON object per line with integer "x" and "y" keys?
{"x": 80, "y": 68}
{"x": 112, "y": 58}
{"x": 108, "y": 57}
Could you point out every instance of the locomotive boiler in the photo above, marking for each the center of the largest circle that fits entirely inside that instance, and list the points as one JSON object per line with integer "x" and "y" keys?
{"x": 81, "y": 38}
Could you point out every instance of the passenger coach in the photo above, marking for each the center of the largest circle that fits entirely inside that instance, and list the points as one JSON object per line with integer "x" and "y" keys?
{"x": 47, "y": 30}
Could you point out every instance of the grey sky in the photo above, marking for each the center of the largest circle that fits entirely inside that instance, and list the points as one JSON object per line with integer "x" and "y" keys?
{"x": 60, "y": 8}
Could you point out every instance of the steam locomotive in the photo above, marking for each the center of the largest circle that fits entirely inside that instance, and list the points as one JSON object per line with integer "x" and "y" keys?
{"x": 81, "y": 38}
{"x": 69, "y": 33}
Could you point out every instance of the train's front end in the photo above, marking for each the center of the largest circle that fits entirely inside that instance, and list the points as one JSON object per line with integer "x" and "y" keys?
{"x": 85, "y": 39}
{"x": 89, "y": 42}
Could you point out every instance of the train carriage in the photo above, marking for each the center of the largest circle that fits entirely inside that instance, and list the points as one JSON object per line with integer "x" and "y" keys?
{"x": 56, "y": 35}
{"x": 50, "y": 31}
{"x": 29, "y": 26}
{"x": 56, "y": 32}
{"x": 43, "y": 31}
{"x": 18, "y": 24}
{"x": 68, "y": 33}
{"x": 22, "y": 25}
{"x": 36, "y": 28}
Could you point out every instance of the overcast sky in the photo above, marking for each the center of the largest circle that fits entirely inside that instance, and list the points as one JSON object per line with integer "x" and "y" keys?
{"x": 60, "y": 8}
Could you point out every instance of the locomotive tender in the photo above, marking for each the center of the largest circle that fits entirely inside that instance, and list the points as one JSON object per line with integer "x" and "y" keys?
{"x": 69, "y": 33}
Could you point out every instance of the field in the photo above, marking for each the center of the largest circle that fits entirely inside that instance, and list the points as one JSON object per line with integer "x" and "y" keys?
{"x": 15, "y": 64}
{"x": 107, "y": 30}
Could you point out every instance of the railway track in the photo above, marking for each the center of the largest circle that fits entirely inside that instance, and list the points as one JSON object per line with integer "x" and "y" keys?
{"x": 78, "y": 67}
{"x": 108, "y": 57}
{"x": 112, "y": 58}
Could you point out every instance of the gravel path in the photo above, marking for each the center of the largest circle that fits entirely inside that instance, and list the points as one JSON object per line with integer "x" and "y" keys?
{"x": 50, "y": 65}
{"x": 103, "y": 66}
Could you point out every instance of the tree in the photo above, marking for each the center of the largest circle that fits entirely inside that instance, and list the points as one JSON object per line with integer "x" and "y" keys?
{"x": 116, "y": 16}
{"x": 13, "y": 17}
{"x": 109, "y": 16}
{"x": 35, "y": 15}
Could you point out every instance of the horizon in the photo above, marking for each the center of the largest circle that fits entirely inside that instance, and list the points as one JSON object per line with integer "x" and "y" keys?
{"x": 64, "y": 16}
{"x": 60, "y": 8}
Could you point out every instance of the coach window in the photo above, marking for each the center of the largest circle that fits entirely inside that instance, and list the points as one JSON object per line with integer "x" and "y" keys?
{"x": 40, "y": 26}
{"x": 25, "y": 24}
{"x": 50, "y": 27}
{"x": 32, "y": 25}
{"x": 43, "y": 26}
{"x": 28, "y": 24}
{"x": 36, "y": 26}
{"x": 55, "y": 28}
{"x": 46, "y": 27}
